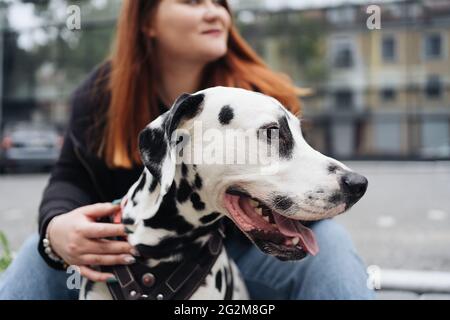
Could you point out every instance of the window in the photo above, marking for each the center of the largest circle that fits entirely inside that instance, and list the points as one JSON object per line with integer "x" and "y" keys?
{"x": 343, "y": 99}
{"x": 343, "y": 58}
{"x": 433, "y": 46}
{"x": 433, "y": 88}
{"x": 387, "y": 134}
{"x": 435, "y": 135}
{"x": 388, "y": 94}
{"x": 388, "y": 47}
{"x": 343, "y": 51}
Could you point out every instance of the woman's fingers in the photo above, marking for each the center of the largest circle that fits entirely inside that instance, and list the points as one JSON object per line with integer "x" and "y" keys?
{"x": 107, "y": 259}
{"x": 99, "y": 210}
{"x": 103, "y": 246}
{"x": 94, "y": 275}
{"x": 103, "y": 230}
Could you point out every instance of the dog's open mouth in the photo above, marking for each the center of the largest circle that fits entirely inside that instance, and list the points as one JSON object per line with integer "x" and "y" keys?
{"x": 285, "y": 238}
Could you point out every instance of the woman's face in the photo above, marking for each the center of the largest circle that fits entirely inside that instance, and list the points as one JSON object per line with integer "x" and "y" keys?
{"x": 193, "y": 30}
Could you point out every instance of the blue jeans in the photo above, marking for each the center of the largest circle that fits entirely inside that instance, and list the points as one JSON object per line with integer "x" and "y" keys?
{"x": 335, "y": 273}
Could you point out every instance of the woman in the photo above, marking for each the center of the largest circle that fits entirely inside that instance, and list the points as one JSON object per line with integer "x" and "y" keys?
{"x": 163, "y": 48}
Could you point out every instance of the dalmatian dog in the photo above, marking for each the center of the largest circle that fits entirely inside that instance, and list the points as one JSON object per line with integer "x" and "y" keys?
{"x": 177, "y": 201}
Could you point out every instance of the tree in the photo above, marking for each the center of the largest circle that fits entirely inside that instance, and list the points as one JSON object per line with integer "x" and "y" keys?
{"x": 46, "y": 72}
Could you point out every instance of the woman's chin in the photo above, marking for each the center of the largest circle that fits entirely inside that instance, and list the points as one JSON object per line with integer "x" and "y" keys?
{"x": 212, "y": 54}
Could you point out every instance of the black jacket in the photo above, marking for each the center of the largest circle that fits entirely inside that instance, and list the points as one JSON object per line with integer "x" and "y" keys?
{"x": 79, "y": 177}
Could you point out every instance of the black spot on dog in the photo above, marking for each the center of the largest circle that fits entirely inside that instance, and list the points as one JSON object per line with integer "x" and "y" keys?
{"x": 139, "y": 187}
{"x": 128, "y": 221}
{"x": 336, "y": 198}
{"x": 184, "y": 191}
{"x": 198, "y": 182}
{"x": 153, "y": 185}
{"x": 167, "y": 216}
{"x": 179, "y": 140}
{"x": 226, "y": 115}
{"x": 153, "y": 148}
{"x": 282, "y": 202}
{"x": 332, "y": 168}
{"x": 184, "y": 169}
{"x": 210, "y": 217}
{"x": 286, "y": 144}
{"x": 88, "y": 288}
{"x": 197, "y": 202}
{"x": 219, "y": 280}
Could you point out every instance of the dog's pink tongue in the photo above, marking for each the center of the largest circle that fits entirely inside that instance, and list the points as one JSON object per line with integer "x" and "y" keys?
{"x": 292, "y": 228}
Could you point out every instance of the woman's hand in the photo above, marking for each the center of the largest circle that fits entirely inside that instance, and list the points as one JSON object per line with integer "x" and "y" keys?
{"x": 78, "y": 239}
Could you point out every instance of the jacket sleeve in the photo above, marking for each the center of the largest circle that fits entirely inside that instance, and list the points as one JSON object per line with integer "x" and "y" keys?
{"x": 70, "y": 185}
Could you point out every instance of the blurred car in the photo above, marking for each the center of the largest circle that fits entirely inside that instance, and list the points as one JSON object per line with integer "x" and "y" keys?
{"x": 29, "y": 146}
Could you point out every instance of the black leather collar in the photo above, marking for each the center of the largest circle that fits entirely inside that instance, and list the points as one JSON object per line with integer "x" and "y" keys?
{"x": 176, "y": 281}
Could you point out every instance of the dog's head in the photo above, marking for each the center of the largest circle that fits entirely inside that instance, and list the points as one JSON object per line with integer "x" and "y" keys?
{"x": 270, "y": 186}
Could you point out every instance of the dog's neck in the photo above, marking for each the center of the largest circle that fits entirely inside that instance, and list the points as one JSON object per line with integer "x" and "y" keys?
{"x": 183, "y": 222}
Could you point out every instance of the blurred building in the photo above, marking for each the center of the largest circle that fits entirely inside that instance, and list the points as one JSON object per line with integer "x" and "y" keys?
{"x": 386, "y": 93}
{"x": 376, "y": 94}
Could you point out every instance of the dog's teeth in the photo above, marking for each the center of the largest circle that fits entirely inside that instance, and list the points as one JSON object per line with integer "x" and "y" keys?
{"x": 258, "y": 211}
{"x": 254, "y": 203}
{"x": 266, "y": 218}
{"x": 295, "y": 241}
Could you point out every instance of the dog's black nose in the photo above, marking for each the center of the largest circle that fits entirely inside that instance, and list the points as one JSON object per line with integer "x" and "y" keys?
{"x": 354, "y": 186}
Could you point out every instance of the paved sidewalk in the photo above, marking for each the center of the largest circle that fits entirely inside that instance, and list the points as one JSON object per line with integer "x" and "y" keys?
{"x": 402, "y": 226}
{"x": 403, "y": 220}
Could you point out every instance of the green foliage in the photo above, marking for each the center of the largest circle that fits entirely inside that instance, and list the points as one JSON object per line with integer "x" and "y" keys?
{"x": 5, "y": 257}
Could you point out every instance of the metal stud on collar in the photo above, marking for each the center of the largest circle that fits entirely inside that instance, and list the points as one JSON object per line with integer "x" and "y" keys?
{"x": 148, "y": 279}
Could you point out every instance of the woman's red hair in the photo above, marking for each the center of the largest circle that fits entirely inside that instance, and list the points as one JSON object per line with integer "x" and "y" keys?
{"x": 132, "y": 81}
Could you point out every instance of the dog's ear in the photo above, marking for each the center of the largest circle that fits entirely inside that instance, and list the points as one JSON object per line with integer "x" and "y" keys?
{"x": 185, "y": 107}
{"x": 157, "y": 143}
